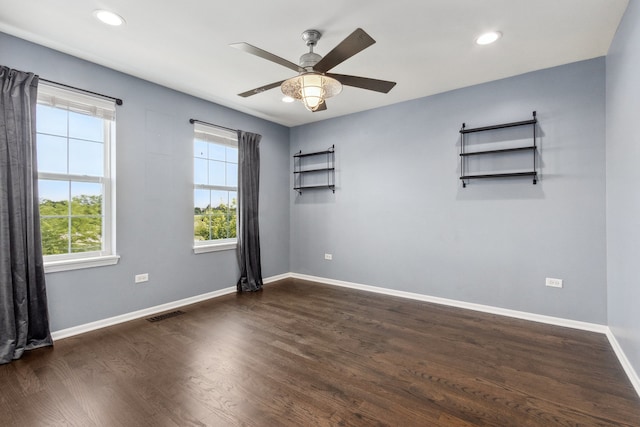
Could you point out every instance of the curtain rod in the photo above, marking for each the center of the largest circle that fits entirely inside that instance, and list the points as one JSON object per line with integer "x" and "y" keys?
{"x": 192, "y": 121}
{"x": 117, "y": 100}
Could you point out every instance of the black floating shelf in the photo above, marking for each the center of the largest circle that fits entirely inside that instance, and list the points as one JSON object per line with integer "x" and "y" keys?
{"x": 499, "y": 175}
{"x": 324, "y": 163}
{"x": 502, "y": 150}
{"x": 313, "y": 154}
{"x": 501, "y": 126}
{"x": 314, "y": 186}
{"x": 465, "y": 175}
{"x": 315, "y": 170}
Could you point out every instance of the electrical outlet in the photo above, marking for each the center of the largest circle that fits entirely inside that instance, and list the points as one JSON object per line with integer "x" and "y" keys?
{"x": 328, "y": 257}
{"x": 554, "y": 283}
{"x": 139, "y": 278}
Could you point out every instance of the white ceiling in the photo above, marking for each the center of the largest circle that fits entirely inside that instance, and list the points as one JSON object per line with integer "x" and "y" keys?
{"x": 426, "y": 46}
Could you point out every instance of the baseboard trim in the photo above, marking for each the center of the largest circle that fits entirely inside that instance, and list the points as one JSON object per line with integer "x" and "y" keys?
{"x": 99, "y": 324}
{"x": 558, "y": 321}
{"x": 586, "y": 326}
{"x": 626, "y": 365}
{"x": 276, "y": 278}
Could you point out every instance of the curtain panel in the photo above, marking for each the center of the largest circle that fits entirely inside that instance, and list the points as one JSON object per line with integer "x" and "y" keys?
{"x": 248, "y": 249}
{"x": 24, "y": 318}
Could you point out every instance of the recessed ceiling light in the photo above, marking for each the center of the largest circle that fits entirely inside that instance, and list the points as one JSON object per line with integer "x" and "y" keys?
{"x": 109, "y": 18}
{"x": 287, "y": 99}
{"x": 488, "y": 38}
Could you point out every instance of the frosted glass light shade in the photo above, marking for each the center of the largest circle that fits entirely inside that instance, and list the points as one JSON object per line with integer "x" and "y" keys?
{"x": 311, "y": 88}
{"x": 312, "y": 91}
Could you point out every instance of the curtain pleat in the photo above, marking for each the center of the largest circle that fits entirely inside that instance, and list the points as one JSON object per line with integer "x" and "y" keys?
{"x": 24, "y": 318}
{"x": 248, "y": 249}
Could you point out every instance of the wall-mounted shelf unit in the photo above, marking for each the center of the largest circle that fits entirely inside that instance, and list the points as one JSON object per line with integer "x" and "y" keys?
{"x": 465, "y": 176}
{"x": 314, "y": 170}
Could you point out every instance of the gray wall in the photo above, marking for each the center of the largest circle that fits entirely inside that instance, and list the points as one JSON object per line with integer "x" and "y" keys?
{"x": 155, "y": 194}
{"x": 400, "y": 218}
{"x": 623, "y": 175}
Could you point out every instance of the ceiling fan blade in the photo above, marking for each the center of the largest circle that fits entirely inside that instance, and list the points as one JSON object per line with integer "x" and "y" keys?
{"x": 354, "y": 43}
{"x": 260, "y": 89}
{"x": 321, "y": 107}
{"x": 246, "y": 47}
{"x": 383, "y": 86}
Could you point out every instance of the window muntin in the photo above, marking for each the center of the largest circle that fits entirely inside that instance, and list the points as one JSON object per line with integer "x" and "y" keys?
{"x": 75, "y": 137}
{"x": 215, "y": 192}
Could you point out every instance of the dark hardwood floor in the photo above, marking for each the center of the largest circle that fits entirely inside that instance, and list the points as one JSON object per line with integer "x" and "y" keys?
{"x": 304, "y": 354}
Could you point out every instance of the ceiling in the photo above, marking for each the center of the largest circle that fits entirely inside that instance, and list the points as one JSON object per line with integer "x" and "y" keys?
{"x": 427, "y": 47}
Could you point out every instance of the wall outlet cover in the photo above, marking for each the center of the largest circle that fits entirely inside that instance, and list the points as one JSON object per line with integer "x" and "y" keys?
{"x": 554, "y": 283}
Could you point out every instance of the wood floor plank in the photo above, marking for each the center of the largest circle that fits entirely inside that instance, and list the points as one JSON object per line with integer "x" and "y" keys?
{"x": 305, "y": 354}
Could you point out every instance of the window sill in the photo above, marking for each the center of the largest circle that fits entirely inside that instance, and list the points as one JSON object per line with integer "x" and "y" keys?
{"x": 215, "y": 247}
{"x": 80, "y": 263}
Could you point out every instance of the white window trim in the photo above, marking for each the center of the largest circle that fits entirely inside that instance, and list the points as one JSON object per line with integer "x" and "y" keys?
{"x": 222, "y": 137}
{"x": 215, "y": 245}
{"x": 77, "y": 101}
{"x": 80, "y": 263}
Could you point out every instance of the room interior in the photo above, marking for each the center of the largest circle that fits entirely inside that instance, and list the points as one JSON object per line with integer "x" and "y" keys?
{"x": 399, "y": 222}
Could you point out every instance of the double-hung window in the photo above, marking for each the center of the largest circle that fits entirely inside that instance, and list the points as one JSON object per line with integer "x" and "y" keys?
{"x": 215, "y": 189}
{"x": 76, "y": 145}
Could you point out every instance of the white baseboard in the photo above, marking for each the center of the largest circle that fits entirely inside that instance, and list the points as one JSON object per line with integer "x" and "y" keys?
{"x": 626, "y": 365}
{"x": 276, "y": 278}
{"x": 592, "y": 327}
{"x": 99, "y": 324}
{"x": 558, "y": 321}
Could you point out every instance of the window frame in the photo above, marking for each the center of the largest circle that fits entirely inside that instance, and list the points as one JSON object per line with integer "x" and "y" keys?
{"x": 51, "y": 95}
{"x": 231, "y": 140}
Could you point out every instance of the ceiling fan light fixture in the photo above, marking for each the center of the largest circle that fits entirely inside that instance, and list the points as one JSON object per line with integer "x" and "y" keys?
{"x": 311, "y": 88}
{"x": 313, "y": 84}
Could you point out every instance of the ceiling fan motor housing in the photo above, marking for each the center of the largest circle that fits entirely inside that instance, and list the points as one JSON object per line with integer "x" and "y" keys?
{"x": 311, "y": 37}
{"x": 309, "y": 60}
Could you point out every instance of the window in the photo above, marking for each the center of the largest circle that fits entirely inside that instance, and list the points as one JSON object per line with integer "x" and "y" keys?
{"x": 215, "y": 189}
{"x": 75, "y": 136}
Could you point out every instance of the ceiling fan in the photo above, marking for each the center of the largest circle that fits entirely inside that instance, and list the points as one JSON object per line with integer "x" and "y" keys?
{"x": 314, "y": 84}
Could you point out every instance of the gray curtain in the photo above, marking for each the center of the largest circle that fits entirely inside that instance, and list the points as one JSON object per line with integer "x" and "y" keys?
{"x": 248, "y": 228}
{"x": 24, "y": 319}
